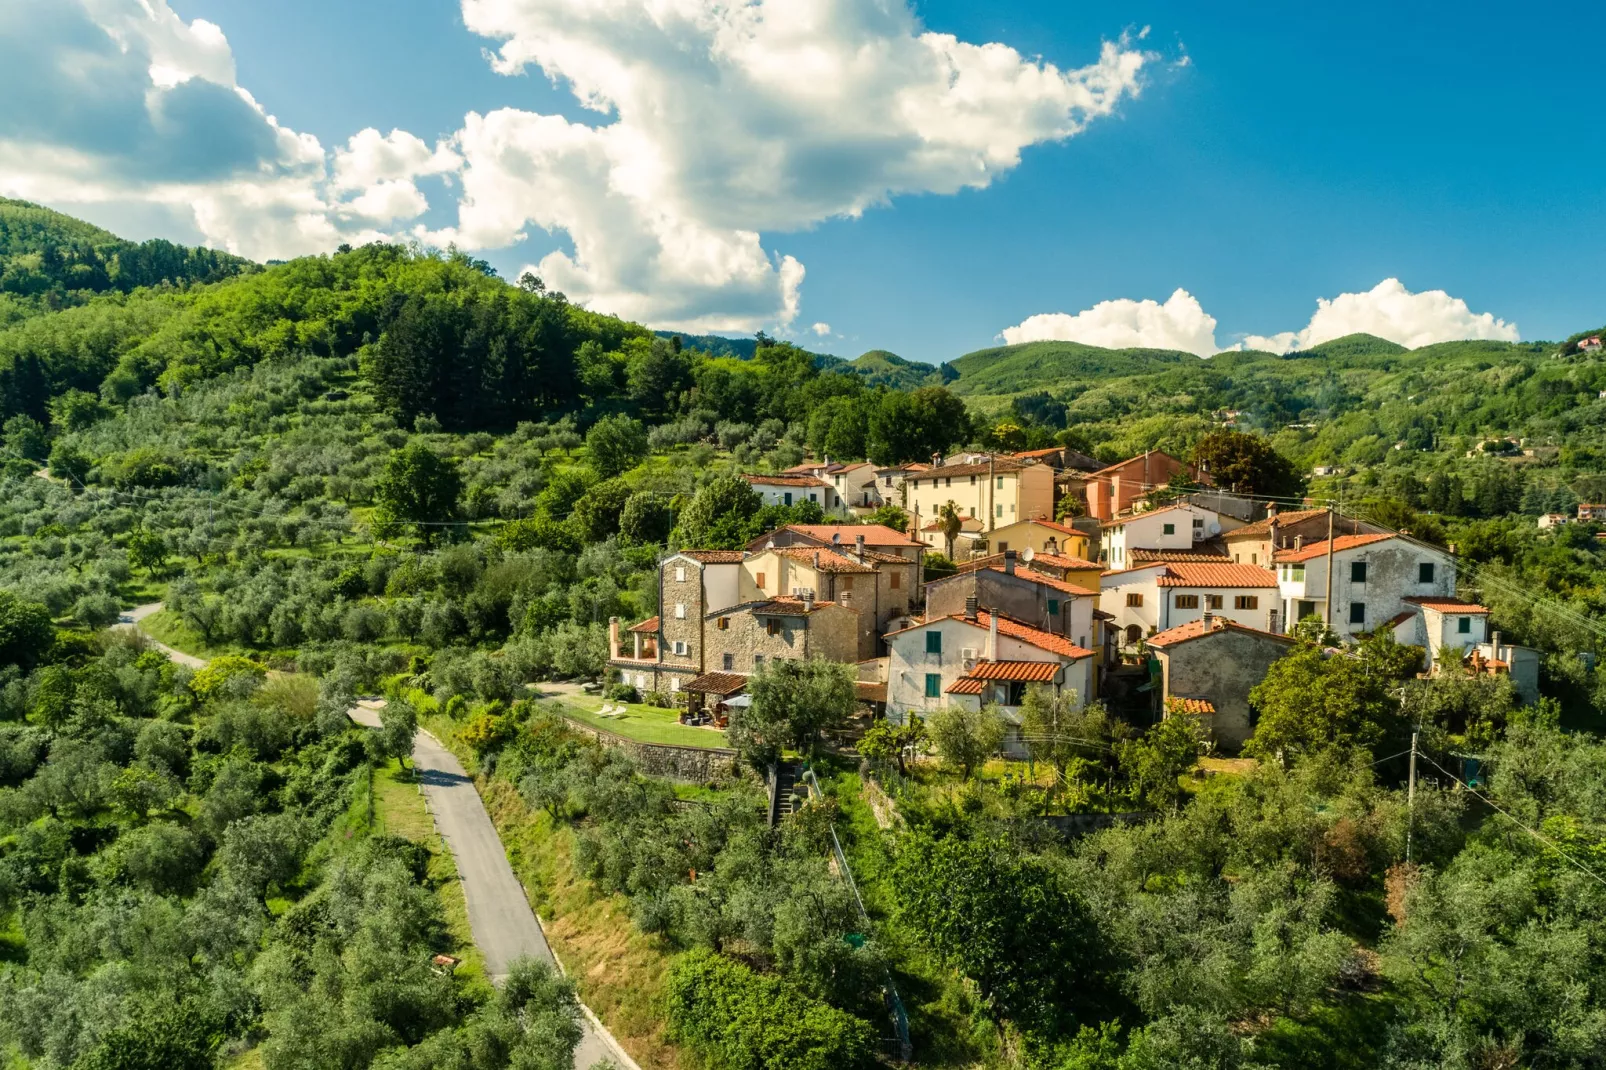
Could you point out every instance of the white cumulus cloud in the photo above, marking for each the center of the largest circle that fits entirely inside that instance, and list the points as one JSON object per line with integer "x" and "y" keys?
{"x": 1388, "y": 310}
{"x": 717, "y": 126}
{"x": 821, "y": 329}
{"x": 1180, "y": 323}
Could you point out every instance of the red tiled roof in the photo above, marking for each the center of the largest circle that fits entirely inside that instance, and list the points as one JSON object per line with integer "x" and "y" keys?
{"x": 1399, "y": 619}
{"x": 715, "y": 557}
{"x": 1319, "y": 549}
{"x": 717, "y": 683}
{"x": 1061, "y": 561}
{"x": 1263, "y": 527}
{"x": 1054, "y": 644}
{"x": 1055, "y": 525}
{"x": 869, "y": 691}
{"x": 1139, "y": 457}
{"x": 967, "y": 523}
{"x": 1447, "y": 605}
{"x": 1033, "y": 454}
{"x": 874, "y": 534}
{"x": 1001, "y": 466}
{"x": 1129, "y": 517}
{"x": 785, "y": 480}
{"x": 1196, "y": 706}
{"x": 1196, "y": 629}
{"x": 648, "y": 625}
{"x": 784, "y": 606}
{"x": 1142, "y": 553}
{"x": 1216, "y": 574}
{"x": 965, "y": 685}
{"x": 1025, "y": 671}
{"x": 820, "y": 557}
{"x": 1048, "y": 581}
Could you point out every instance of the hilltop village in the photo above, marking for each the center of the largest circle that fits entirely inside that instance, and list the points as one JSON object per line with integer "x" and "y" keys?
{"x": 1152, "y": 600}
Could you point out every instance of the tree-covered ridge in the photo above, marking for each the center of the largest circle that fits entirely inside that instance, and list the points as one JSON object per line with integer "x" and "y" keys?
{"x": 49, "y": 260}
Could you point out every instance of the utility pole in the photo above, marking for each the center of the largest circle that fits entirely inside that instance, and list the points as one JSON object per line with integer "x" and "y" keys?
{"x": 1410, "y": 799}
{"x": 1329, "y": 601}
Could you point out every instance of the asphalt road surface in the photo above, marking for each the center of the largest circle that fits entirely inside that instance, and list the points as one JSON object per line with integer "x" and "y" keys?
{"x": 504, "y": 925}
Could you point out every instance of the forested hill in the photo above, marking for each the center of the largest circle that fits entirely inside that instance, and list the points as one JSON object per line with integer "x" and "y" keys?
{"x": 49, "y": 260}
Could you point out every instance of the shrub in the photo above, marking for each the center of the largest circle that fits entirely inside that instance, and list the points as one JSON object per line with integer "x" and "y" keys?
{"x": 737, "y": 1019}
{"x": 217, "y": 678}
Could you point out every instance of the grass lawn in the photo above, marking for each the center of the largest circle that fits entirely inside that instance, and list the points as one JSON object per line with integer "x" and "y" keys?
{"x": 168, "y": 627}
{"x": 646, "y": 724}
{"x": 399, "y": 810}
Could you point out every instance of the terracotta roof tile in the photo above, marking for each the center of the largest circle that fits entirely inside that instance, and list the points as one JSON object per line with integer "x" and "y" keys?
{"x": 1319, "y": 549}
{"x": 1147, "y": 555}
{"x": 1196, "y": 629}
{"x": 1263, "y": 527}
{"x": 1080, "y": 564}
{"x": 1055, "y": 644}
{"x": 874, "y": 534}
{"x": 1196, "y": 706}
{"x": 1048, "y": 581}
{"x": 785, "y": 480}
{"x": 965, "y": 685}
{"x": 784, "y": 606}
{"x": 1216, "y": 574}
{"x": 648, "y": 625}
{"x": 1024, "y": 671}
{"x": 717, "y": 683}
{"x": 715, "y": 557}
{"x": 1447, "y": 605}
{"x": 828, "y": 560}
{"x": 1001, "y": 466}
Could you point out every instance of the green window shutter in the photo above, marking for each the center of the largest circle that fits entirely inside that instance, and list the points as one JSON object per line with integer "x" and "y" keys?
{"x": 1053, "y": 607}
{"x": 934, "y": 642}
{"x": 933, "y": 685}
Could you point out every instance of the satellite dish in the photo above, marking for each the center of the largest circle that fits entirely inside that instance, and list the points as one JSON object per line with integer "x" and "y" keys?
{"x": 1027, "y": 554}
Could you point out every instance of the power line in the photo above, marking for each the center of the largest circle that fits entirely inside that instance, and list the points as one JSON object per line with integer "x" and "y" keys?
{"x": 1503, "y": 813}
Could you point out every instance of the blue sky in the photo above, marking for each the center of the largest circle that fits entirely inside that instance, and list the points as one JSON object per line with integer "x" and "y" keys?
{"x": 1300, "y": 152}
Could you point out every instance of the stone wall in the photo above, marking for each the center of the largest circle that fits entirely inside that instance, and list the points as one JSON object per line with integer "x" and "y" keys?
{"x": 688, "y": 594}
{"x": 693, "y": 764}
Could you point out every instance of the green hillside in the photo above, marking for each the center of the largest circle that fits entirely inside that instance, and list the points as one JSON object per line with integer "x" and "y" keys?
{"x": 882, "y": 368}
{"x": 49, "y": 260}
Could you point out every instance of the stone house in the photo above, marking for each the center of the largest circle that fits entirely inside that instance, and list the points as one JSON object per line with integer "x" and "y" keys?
{"x": 742, "y": 638}
{"x": 993, "y": 491}
{"x": 1173, "y": 527}
{"x": 1073, "y": 570}
{"x": 1375, "y": 578}
{"x": 665, "y": 651}
{"x": 1446, "y": 628}
{"x": 1207, "y": 668}
{"x": 1022, "y": 595}
{"x": 857, "y": 487}
{"x": 1155, "y": 598}
{"x": 846, "y": 537}
{"x": 880, "y": 587}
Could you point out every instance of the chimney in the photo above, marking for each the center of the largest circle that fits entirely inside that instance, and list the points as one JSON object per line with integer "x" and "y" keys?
{"x": 1009, "y": 562}
{"x": 806, "y": 596}
{"x": 1299, "y": 542}
{"x": 970, "y": 607}
{"x": 858, "y": 547}
{"x": 992, "y": 637}
{"x": 816, "y": 561}
{"x": 1271, "y": 511}
{"x": 936, "y": 459}
{"x": 1209, "y": 620}
{"x": 1494, "y": 646}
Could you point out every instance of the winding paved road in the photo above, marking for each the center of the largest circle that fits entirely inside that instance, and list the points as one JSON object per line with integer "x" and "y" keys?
{"x": 504, "y": 926}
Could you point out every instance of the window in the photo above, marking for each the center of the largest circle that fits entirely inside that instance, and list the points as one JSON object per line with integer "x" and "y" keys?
{"x": 760, "y": 578}
{"x": 1254, "y": 559}
{"x": 1187, "y": 601}
{"x": 934, "y": 642}
{"x": 1213, "y": 601}
{"x": 947, "y": 481}
{"x": 1000, "y": 482}
{"x": 680, "y": 646}
{"x": 680, "y": 610}
{"x": 1464, "y": 625}
{"x": 973, "y": 481}
{"x": 1246, "y": 601}
{"x": 972, "y": 510}
{"x": 1134, "y": 599}
{"x": 727, "y": 662}
{"x": 674, "y": 683}
{"x": 680, "y": 575}
{"x": 788, "y": 497}
{"x": 1003, "y": 546}
{"x": 1198, "y": 523}
{"x": 1000, "y": 511}
{"x": 1424, "y": 572}
{"x": 1053, "y": 607}
{"x": 772, "y": 626}
{"x": 895, "y": 579}
{"x": 1169, "y": 529}
{"x": 1299, "y": 574}
{"x": 933, "y": 685}
{"x": 723, "y": 624}
{"x": 1357, "y": 571}
{"x": 758, "y": 661}
{"x": 847, "y": 583}
{"x": 1357, "y": 612}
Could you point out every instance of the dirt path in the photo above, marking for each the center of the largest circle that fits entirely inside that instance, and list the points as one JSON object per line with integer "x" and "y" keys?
{"x": 131, "y": 620}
